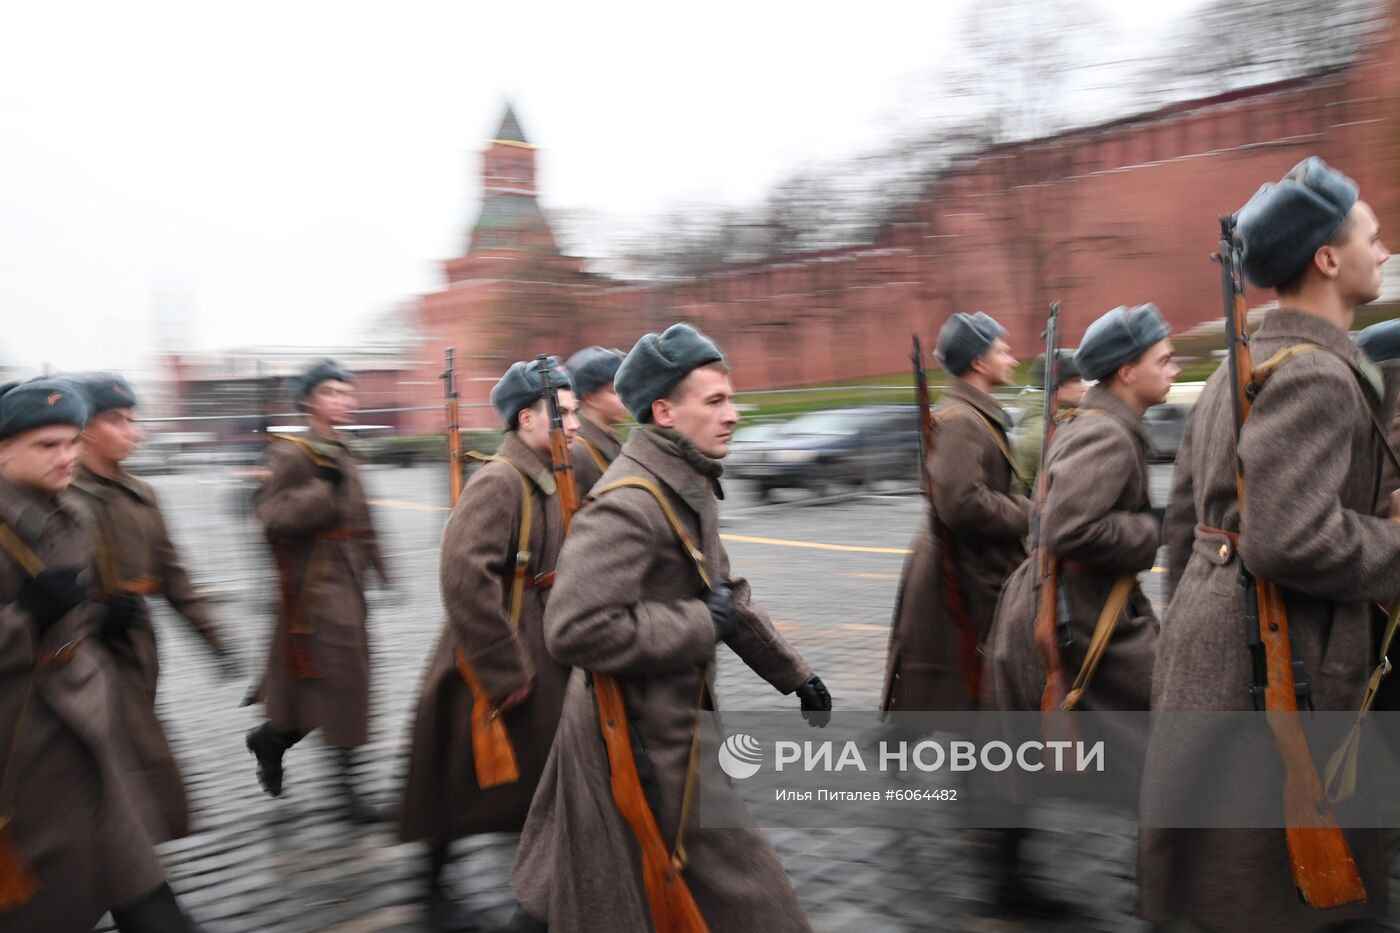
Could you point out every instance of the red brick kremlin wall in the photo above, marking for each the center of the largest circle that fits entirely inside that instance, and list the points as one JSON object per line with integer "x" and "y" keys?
{"x": 1119, "y": 213}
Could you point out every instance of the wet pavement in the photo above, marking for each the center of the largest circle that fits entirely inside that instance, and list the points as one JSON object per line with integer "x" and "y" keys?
{"x": 826, "y": 572}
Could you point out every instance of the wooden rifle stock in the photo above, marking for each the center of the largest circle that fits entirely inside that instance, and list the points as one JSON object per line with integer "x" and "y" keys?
{"x": 970, "y": 657}
{"x": 454, "y": 431}
{"x": 560, "y": 461}
{"x": 1051, "y": 625}
{"x": 1324, "y": 870}
{"x": 673, "y": 908}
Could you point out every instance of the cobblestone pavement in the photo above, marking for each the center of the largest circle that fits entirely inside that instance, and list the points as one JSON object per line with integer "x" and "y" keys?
{"x": 258, "y": 864}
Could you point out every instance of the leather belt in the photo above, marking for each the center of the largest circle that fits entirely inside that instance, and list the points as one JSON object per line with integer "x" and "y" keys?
{"x": 1231, "y": 536}
{"x": 540, "y": 581}
{"x": 61, "y": 656}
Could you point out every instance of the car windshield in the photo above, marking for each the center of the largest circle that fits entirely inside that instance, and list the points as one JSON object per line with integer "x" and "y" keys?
{"x": 824, "y": 422}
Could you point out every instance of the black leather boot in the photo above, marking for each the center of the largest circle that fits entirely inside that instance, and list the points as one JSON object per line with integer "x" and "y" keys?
{"x": 268, "y": 745}
{"x": 445, "y": 915}
{"x": 1013, "y": 893}
{"x": 357, "y": 808}
{"x": 157, "y": 912}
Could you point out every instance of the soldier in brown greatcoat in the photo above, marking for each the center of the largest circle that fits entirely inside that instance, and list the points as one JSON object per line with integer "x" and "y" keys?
{"x": 1311, "y": 461}
{"x": 135, "y": 559}
{"x": 1098, "y": 522}
{"x": 494, "y": 634}
{"x": 600, "y": 411}
{"x": 630, "y": 602}
{"x": 73, "y": 823}
{"x": 313, "y": 512}
{"x": 973, "y": 511}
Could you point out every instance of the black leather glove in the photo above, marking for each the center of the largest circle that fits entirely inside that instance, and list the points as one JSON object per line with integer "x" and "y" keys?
{"x": 720, "y": 601}
{"x": 330, "y": 473}
{"x": 816, "y": 702}
{"x": 51, "y": 595}
{"x": 123, "y": 611}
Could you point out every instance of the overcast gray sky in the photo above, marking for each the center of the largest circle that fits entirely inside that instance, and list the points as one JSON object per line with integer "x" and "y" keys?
{"x": 281, "y": 172}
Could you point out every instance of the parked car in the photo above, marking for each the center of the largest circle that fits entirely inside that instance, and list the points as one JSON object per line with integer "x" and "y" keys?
{"x": 746, "y": 448}
{"x": 1164, "y": 424}
{"x": 828, "y": 450}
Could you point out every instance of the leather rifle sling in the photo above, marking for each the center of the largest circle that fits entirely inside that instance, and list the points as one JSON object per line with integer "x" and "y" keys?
{"x": 493, "y": 753}
{"x": 598, "y": 459}
{"x": 673, "y": 907}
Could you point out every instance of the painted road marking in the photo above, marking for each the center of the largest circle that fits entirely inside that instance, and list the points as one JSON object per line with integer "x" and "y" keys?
{"x": 740, "y": 539}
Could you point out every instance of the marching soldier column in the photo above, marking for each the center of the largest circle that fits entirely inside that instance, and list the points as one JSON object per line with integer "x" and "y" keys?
{"x": 575, "y": 666}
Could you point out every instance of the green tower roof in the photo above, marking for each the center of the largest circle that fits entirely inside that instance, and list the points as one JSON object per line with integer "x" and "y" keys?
{"x": 510, "y": 130}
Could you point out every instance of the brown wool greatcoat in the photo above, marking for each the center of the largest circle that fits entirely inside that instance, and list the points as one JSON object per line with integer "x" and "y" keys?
{"x": 442, "y": 801}
{"x": 297, "y": 510}
{"x": 971, "y": 479}
{"x": 592, "y": 442}
{"x": 130, "y": 527}
{"x": 1096, "y": 521}
{"x": 628, "y": 602}
{"x": 1312, "y": 465}
{"x": 79, "y": 820}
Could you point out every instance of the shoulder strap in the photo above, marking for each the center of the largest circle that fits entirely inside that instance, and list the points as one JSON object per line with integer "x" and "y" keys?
{"x": 640, "y": 482}
{"x": 22, "y": 553}
{"x": 958, "y": 408}
{"x": 594, "y": 452}
{"x": 317, "y": 456}
{"x": 1264, "y": 370}
{"x": 606, "y": 689}
{"x": 522, "y": 548}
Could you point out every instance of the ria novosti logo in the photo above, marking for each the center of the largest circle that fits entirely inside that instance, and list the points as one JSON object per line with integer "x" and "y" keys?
{"x": 741, "y": 756}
